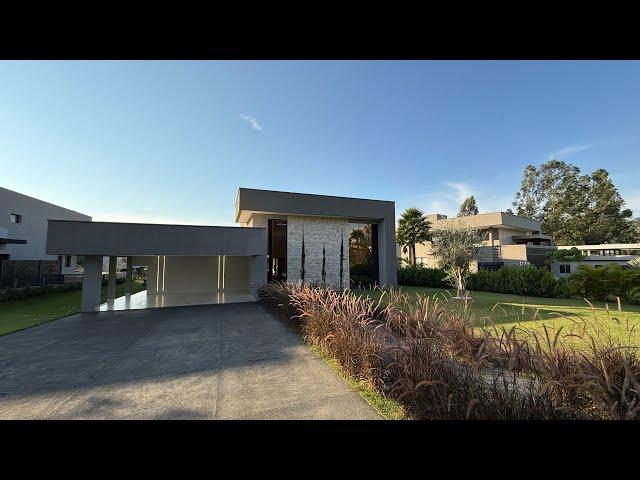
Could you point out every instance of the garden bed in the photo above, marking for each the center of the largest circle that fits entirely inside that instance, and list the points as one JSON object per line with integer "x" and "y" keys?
{"x": 428, "y": 356}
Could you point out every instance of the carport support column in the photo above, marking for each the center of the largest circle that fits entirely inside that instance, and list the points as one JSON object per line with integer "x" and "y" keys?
{"x": 91, "y": 283}
{"x": 111, "y": 285}
{"x": 127, "y": 285}
{"x": 257, "y": 272}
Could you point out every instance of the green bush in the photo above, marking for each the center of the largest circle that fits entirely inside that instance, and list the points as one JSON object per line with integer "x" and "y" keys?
{"x": 11, "y": 294}
{"x": 420, "y": 276}
{"x": 529, "y": 280}
{"x": 606, "y": 282}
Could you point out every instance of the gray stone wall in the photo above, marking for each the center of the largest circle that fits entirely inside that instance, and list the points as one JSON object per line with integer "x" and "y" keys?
{"x": 318, "y": 232}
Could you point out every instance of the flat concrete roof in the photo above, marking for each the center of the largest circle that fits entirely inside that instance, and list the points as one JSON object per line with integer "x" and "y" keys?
{"x": 67, "y": 237}
{"x": 250, "y": 200}
{"x": 487, "y": 220}
{"x": 604, "y": 246}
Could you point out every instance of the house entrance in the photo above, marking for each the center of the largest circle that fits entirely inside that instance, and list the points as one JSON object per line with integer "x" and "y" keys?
{"x": 277, "y": 250}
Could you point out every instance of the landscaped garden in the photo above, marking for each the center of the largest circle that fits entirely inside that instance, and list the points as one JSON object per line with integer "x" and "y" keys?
{"x": 435, "y": 357}
{"x": 34, "y": 310}
{"x": 569, "y": 315}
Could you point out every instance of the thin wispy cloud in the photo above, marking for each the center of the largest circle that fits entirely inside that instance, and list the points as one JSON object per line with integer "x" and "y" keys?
{"x": 251, "y": 121}
{"x": 461, "y": 190}
{"x": 566, "y": 152}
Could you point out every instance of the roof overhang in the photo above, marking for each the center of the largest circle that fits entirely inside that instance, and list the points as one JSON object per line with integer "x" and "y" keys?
{"x": 128, "y": 239}
{"x": 12, "y": 240}
{"x": 250, "y": 201}
{"x": 528, "y": 238}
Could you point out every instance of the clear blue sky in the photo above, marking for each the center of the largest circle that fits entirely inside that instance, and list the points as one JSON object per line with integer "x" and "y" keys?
{"x": 172, "y": 141}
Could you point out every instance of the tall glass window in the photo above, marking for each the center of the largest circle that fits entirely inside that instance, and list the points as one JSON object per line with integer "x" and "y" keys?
{"x": 363, "y": 254}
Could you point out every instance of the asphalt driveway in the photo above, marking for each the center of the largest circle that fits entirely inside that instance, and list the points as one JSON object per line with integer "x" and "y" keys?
{"x": 202, "y": 362}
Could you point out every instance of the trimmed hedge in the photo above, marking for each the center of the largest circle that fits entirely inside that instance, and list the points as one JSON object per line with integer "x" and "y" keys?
{"x": 10, "y": 294}
{"x": 420, "y": 276}
{"x": 529, "y": 280}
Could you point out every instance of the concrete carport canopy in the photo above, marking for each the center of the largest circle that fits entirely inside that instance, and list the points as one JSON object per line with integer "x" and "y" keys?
{"x": 93, "y": 240}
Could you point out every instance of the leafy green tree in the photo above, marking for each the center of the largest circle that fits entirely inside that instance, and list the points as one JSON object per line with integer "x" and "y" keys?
{"x": 413, "y": 228}
{"x": 468, "y": 207}
{"x": 574, "y": 208}
{"x": 455, "y": 247}
{"x": 605, "y": 218}
{"x": 564, "y": 256}
{"x": 635, "y": 231}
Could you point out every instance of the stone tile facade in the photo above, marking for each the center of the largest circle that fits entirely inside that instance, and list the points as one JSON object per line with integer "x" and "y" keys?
{"x": 318, "y": 232}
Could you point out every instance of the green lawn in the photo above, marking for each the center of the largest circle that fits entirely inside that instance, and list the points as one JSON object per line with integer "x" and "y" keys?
{"x": 534, "y": 312}
{"x": 19, "y": 314}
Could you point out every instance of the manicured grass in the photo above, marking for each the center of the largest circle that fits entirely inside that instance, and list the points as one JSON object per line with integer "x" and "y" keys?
{"x": 20, "y": 314}
{"x": 534, "y": 312}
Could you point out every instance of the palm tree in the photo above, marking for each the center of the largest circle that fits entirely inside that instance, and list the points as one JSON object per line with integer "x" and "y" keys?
{"x": 357, "y": 237}
{"x": 358, "y": 248}
{"x": 413, "y": 228}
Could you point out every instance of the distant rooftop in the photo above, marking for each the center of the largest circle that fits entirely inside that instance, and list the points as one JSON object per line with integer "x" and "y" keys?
{"x": 487, "y": 220}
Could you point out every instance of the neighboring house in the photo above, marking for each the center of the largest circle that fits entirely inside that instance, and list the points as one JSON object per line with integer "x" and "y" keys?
{"x": 23, "y": 233}
{"x": 508, "y": 240}
{"x": 598, "y": 256}
{"x": 186, "y": 261}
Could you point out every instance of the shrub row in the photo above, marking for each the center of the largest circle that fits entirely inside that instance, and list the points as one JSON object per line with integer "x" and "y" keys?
{"x": 529, "y": 280}
{"x": 606, "y": 282}
{"x": 426, "y": 354}
{"x": 11, "y": 294}
{"x": 419, "y": 276}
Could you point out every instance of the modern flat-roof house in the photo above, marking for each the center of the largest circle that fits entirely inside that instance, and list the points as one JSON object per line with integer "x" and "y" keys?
{"x": 598, "y": 256}
{"x": 23, "y": 235}
{"x": 283, "y": 236}
{"x": 509, "y": 240}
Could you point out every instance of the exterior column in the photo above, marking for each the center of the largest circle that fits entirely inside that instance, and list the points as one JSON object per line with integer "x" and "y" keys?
{"x": 257, "y": 272}
{"x": 91, "y": 283}
{"x": 111, "y": 284}
{"x": 127, "y": 289}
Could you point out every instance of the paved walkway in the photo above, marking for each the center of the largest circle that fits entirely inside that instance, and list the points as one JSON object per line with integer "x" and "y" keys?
{"x": 232, "y": 361}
